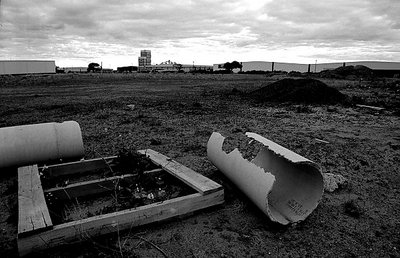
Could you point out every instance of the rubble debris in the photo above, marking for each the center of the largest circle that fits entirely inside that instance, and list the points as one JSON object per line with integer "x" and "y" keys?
{"x": 284, "y": 185}
{"x": 333, "y": 182}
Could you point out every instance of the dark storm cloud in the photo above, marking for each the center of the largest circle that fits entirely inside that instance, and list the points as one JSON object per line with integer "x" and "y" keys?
{"x": 237, "y": 25}
{"x": 331, "y": 21}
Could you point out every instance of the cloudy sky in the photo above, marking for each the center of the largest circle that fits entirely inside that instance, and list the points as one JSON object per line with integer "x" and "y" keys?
{"x": 76, "y": 32}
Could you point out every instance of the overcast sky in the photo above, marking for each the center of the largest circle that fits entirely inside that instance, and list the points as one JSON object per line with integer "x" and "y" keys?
{"x": 76, "y": 32}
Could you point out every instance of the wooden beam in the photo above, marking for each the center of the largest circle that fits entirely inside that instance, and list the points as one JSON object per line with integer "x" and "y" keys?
{"x": 209, "y": 194}
{"x": 197, "y": 181}
{"x": 370, "y": 107}
{"x": 90, "y": 187}
{"x": 33, "y": 214}
{"x": 77, "y": 166}
{"x": 116, "y": 221}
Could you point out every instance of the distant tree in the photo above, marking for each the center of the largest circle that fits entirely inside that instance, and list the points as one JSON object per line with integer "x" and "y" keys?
{"x": 227, "y": 66}
{"x": 236, "y": 64}
{"x": 93, "y": 67}
{"x": 59, "y": 70}
{"x": 230, "y": 66}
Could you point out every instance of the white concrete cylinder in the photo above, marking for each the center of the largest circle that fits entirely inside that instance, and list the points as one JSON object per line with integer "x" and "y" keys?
{"x": 284, "y": 185}
{"x": 37, "y": 143}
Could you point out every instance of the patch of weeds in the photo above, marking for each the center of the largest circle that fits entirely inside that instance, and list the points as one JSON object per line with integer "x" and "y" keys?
{"x": 167, "y": 129}
{"x": 303, "y": 109}
{"x": 246, "y": 239}
{"x": 140, "y": 115}
{"x": 177, "y": 237}
{"x": 352, "y": 209}
{"x": 237, "y": 130}
{"x": 12, "y": 207}
{"x": 397, "y": 112}
{"x": 79, "y": 107}
{"x": 12, "y": 187}
{"x": 227, "y": 236}
{"x": 196, "y": 105}
{"x": 331, "y": 109}
{"x": 127, "y": 120}
{"x": 102, "y": 115}
{"x": 153, "y": 122}
{"x": 194, "y": 147}
{"x": 155, "y": 141}
{"x": 357, "y": 100}
{"x": 202, "y": 132}
{"x": 13, "y": 111}
{"x": 138, "y": 189}
{"x": 134, "y": 162}
{"x": 236, "y": 92}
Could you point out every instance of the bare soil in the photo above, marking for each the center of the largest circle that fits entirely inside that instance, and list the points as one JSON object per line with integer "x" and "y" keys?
{"x": 307, "y": 91}
{"x": 175, "y": 114}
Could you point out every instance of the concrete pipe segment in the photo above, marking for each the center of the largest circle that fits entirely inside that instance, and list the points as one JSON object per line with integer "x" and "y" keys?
{"x": 39, "y": 143}
{"x": 284, "y": 185}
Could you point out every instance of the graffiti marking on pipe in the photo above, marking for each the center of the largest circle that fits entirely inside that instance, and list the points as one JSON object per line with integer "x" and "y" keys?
{"x": 296, "y": 207}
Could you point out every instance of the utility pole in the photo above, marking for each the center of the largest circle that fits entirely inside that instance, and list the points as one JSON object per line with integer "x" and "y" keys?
{"x": 315, "y": 68}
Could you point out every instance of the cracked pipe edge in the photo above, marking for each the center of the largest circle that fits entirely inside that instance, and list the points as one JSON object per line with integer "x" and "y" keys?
{"x": 299, "y": 162}
{"x": 259, "y": 190}
{"x": 239, "y": 170}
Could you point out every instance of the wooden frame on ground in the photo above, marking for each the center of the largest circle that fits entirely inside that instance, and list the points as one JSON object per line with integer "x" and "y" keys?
{"x": 36, "y": 231}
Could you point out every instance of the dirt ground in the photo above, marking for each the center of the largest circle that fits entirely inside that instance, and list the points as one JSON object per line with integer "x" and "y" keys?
{"x": 175, "y": 115}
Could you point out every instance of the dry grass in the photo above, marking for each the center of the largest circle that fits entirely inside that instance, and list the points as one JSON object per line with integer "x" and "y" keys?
{"x": 181, "y": 111}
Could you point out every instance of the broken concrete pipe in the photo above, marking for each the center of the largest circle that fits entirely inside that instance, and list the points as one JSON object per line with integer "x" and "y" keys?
{"x": 31, "y": 144}
{"x": 284, "y": 185}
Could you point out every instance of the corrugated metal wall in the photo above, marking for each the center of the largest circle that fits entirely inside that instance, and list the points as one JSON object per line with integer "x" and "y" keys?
{"x": 27, "y": 66}
{"x": 288, "y": 67}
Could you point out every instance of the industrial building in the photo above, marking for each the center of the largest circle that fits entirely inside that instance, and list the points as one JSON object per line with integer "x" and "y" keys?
{"x": 144, "y": 60}
{"x": 75, "y": 69}
{"x": 127, "y": 69}
{"x": 386, "y": 68}
{"x": 27, "y": 67}
{"x": 169, "y": 66}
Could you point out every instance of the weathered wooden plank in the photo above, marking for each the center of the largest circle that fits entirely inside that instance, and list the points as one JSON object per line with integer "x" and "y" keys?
{"x": 197, "y": 181}
{"x": 33, "y": 213}
{"x": 209, "y": 194}
{"x": 77, "y": 166}
{"x": 112, "y": 222}
{"x": 370, "y": 107}
{"x": 90, "y": 187}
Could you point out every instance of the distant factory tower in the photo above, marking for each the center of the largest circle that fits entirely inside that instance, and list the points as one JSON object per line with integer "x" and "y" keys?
{"x": 144, "y": 60}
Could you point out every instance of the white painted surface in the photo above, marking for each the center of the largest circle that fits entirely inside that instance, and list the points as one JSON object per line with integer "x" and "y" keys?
{"x": 284, "y": 185}
{"x": 30, "y": 144}
{"x": 27, "y": 66}
{"x": 318, "y": 67}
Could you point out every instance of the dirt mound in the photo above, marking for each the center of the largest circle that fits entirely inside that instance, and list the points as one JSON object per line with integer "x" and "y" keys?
{"x": 299, "y": 91}
{"x": 348, "y": 72}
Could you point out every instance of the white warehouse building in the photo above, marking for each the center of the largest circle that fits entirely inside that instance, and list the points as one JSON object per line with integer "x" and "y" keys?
{"x": 27, "y": 66}
{"x": 288, "y": 67}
